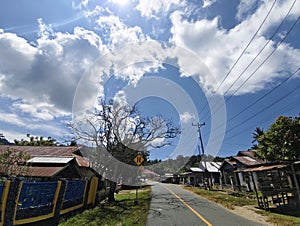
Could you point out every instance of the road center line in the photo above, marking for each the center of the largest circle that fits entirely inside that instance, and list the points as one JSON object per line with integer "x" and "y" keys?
{"x": 188, "y": 206}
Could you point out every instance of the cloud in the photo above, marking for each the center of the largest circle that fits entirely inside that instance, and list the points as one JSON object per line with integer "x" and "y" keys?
{"x": 186, "y": 117}
{"x": 11, "y": 118}
{"x": 151, "y": 9}
{"x": 208, "y": 3}
{"x": 118, "y": 33}
{"x": 245, "y": 8}
{"x": 218, "y": 48}
{"x": 48, "y": 70}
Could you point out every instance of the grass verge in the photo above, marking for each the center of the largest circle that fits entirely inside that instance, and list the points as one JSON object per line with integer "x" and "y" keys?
{"x": 224, "y": 199}
{"x": 230, "y": 202}
{"x": 124, "y": 213}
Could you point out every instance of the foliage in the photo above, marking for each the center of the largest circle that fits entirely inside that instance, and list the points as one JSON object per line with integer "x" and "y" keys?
{"x": 36, "y": 141}
{"x": 280, "y": 142}
{"x": 12, "y": 163}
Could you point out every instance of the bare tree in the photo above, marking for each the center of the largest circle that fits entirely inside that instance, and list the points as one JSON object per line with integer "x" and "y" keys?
{"x": 120, "y": 132}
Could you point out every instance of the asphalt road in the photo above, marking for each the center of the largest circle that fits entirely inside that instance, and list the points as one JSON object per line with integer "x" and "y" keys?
{"x": 171, "y": 205}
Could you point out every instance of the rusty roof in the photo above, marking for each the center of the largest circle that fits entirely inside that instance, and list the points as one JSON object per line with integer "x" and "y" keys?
{"x": 35, "y": 151}
{"x": 40, "y": 171}
{"x": 246, "y": 160}
{"x": 263, "y": 168}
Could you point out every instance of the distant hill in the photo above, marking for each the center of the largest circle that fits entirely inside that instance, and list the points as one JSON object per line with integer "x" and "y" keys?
{"x": 4, "y": 141}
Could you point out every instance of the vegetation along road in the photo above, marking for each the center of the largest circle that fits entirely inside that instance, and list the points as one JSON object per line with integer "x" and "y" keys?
{"x": 171, "y": 205}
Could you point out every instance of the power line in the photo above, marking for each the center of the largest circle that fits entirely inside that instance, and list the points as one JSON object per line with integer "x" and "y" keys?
{"x": 259, "y": 66}
{"x": 286, "y": 108}
{"x": 272, "y": 36}
{"x": 242, "y": 53}
{"x": 262, "y": 97}
{"x": 262, "y": 110}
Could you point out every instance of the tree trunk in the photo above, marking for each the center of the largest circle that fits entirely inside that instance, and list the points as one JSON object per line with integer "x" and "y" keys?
{"x": 111, "y": 194}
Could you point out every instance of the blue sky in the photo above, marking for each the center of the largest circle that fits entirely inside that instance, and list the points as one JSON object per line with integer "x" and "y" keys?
{"x": 47, "y": 47}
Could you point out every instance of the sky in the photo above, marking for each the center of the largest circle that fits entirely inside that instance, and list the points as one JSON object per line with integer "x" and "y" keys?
{"x": 233, "y": 65}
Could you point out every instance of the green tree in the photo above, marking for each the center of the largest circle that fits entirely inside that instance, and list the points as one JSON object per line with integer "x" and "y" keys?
{"x": 280, "y": 142}
{"x": 36, "y": 141}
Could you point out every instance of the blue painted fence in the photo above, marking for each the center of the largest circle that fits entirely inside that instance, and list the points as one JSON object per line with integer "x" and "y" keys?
{"x": 37, "y": 194}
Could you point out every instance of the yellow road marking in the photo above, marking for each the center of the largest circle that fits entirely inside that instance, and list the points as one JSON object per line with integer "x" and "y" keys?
{"x": 189, "y": 207}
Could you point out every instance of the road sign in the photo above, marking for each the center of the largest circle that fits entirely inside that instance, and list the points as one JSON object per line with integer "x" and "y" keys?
{"x": 138, "y": 159}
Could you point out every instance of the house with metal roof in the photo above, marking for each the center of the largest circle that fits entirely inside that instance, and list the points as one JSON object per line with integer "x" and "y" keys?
{"x": 207, "y": 174}
{"x": 52, "y": 162}
{"x": 231, "y": 175}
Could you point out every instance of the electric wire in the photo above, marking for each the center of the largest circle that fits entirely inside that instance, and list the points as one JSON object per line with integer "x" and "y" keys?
{"x": 261, "y": 97}
{"x": 284, "y": 110}
{"x": 258, "y": 67}
{"x": 265, "y": 108}
{"x": 242, "y": 53}
{"x": 274, "y": 33}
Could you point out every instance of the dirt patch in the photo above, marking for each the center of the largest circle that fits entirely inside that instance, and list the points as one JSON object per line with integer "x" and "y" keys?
{"x": 249, "y": 212}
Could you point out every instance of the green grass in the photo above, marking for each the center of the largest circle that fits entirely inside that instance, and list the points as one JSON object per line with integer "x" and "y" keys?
{"x": 124, "y": 213}
{"x": 224, "y": 199}
{"x": 230, "y": 202}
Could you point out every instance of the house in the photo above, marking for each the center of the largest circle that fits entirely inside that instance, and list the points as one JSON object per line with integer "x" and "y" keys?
{"x": 278, "y": 182}
{"x": 207, "y": 172}
{"x": 53, "y": 182}
{"x": 53, "y": 162}
{"x": 232, "y": 175}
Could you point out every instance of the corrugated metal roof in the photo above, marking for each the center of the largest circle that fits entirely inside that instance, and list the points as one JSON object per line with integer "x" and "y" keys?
{"x": 262, "y": 168}
{"x": 51, "y": 159}
{"x": 35, "y": 171}
{"x": 246, "y": 160}
{"x": 43, "y": 150}
{"x": 39, "y": 171}
{"x": 212, "y": 167}
{"x": 58, "y": 151}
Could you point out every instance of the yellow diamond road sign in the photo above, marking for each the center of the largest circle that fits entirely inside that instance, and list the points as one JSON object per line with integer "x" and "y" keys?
{"x": 138, "y": 159}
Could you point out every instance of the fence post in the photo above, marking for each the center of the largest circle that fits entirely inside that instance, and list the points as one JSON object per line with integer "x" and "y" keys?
{"x": 11, "y": 203}
{"x": 87, "y": 191}
{"x": 59, "y": 202}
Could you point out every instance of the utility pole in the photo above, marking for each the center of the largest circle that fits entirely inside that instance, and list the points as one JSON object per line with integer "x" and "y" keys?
{"x": 198, "y": 124}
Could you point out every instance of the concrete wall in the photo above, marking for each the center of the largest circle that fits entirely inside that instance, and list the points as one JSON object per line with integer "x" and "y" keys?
{"x": 26, "y": 203}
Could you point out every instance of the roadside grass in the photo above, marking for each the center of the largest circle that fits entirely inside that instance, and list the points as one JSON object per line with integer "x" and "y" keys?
{"x": 224, "y": 199}
{"x": 230, "y": 202}
{"x": 124, "y": 213}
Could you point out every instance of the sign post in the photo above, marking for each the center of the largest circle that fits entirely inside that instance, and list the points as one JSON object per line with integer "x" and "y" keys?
{"x": 138, "y": 160}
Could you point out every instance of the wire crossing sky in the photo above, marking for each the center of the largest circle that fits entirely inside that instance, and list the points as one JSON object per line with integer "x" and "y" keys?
{"x": 231, "y": 64}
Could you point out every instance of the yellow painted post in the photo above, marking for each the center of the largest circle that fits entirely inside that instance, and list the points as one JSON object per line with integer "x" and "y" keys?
{"x": 17, "y": 202}
{"x": 4, "y": 200}
{"x": 93, "y": 191}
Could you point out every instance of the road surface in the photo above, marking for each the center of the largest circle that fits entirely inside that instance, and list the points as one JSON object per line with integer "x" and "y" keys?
{"x": 173, "y": 206}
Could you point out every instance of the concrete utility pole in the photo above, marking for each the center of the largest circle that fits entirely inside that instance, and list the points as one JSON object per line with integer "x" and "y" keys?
{"x": 198, "y": 124}
{"x": 206, "y": 175}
